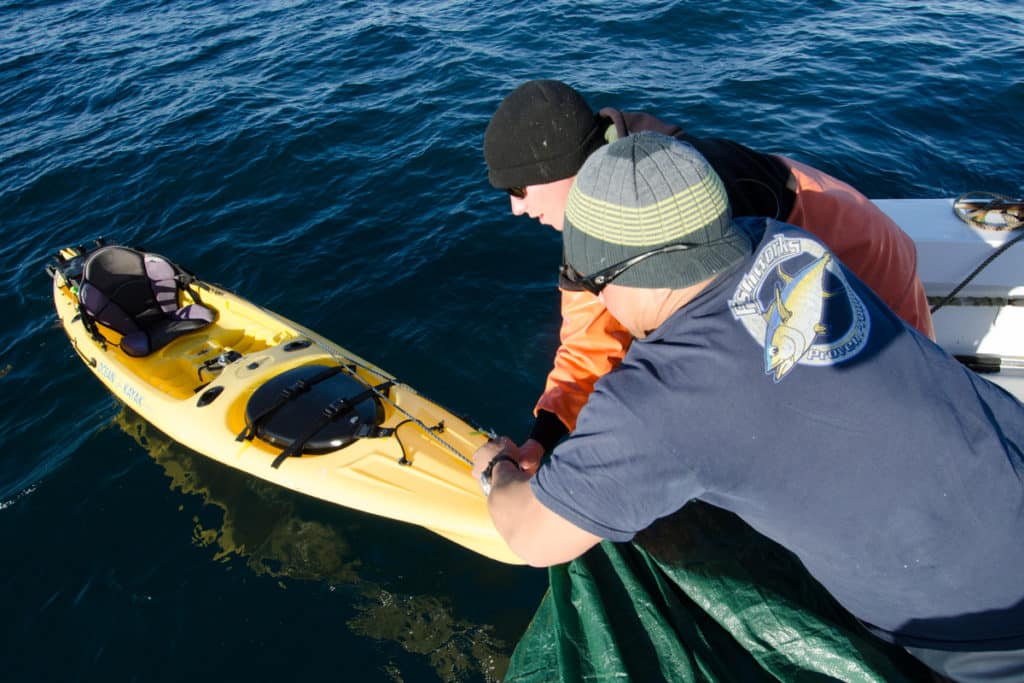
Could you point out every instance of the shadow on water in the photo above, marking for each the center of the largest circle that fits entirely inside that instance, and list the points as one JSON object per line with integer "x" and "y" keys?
{"x": 271, "y": 530}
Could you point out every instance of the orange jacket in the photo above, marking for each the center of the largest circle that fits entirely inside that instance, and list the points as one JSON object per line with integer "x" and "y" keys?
{"x": 858, "y": 232}
{"x": 592, "y": 345}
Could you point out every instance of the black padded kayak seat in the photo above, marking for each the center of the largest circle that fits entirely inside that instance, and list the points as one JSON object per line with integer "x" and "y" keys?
{"x": 289, "y": 406}
{"x": 138, "y": 294}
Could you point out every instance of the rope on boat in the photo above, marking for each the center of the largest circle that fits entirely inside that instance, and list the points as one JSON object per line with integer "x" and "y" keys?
{"x": 978, "y": 209}
{"x": 337, "y": 355}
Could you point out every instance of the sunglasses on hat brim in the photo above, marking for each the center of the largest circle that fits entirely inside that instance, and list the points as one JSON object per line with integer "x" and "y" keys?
{"x": 596, "y": 282}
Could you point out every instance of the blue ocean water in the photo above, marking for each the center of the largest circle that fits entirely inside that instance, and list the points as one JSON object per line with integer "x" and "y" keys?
{"x": 324, "y": 160}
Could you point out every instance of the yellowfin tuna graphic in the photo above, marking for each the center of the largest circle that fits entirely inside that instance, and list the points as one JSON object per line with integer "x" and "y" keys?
{"x": 794, "y": 318}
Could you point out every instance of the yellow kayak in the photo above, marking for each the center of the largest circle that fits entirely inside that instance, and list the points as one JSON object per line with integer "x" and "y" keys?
{"x": 255, "y": 391}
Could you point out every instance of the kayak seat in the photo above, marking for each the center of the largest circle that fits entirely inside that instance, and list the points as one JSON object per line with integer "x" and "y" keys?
{"x": 138, "y": 294}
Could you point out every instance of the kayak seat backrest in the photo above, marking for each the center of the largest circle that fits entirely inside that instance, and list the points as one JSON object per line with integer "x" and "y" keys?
{"x": 138, "y": 295}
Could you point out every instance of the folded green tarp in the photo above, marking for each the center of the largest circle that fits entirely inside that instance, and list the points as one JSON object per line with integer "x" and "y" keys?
{"x": 698, "y": 597}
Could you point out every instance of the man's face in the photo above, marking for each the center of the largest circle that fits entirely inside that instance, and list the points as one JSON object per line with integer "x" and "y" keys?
{"x": 544, "y": 202}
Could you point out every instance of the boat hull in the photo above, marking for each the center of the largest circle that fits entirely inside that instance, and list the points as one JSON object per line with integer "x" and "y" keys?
{"x": 983, "y": 324}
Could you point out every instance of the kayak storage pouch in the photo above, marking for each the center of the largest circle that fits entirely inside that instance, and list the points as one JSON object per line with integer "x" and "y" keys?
{"x": 314, "y": 409}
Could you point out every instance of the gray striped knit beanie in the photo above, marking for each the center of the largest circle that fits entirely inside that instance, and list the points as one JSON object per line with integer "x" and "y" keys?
{"x": 645, "y": 191}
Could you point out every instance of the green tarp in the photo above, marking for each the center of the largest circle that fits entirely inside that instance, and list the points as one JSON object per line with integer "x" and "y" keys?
{"x": 698, "y": 597}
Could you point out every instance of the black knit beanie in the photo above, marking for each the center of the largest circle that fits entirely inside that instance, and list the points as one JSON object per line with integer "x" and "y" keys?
{"x": 542, "y": 132}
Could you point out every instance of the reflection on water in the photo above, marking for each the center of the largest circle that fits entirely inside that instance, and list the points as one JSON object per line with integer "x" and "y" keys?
{"x": 261, "y": 526}
{"x": 424, "y": 625}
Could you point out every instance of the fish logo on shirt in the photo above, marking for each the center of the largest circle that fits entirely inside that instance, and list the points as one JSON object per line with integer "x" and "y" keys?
{"x": 794, "y": 317}
{"x": 787, "y": 315}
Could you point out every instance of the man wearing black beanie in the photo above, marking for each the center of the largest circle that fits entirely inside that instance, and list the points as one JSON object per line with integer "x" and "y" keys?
{"x": 538, "y": 139}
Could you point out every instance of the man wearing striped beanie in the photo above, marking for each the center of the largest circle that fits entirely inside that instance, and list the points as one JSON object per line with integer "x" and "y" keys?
{"x": 766, "y": 380}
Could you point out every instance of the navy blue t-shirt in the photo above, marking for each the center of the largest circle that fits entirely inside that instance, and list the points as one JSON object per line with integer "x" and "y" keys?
{"x": 789, "y": 394}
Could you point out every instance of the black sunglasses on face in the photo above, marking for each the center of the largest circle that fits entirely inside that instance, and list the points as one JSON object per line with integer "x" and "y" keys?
{"x": 517, "y": 192}
{"x": 597, "y": 281}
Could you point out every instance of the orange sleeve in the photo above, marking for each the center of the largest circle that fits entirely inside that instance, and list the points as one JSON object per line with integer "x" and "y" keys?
{"x": 592, "y": 345}
{"x": 864, "y": 238}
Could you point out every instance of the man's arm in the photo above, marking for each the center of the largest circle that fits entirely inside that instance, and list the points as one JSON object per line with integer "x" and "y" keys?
{"x": 592, "y": 345}
{"x": 535, "y": 533}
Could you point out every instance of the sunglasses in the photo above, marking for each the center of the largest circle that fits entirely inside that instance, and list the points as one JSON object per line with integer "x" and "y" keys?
{"x": 517, "y": 192}
{"x": 596, "y": 282}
